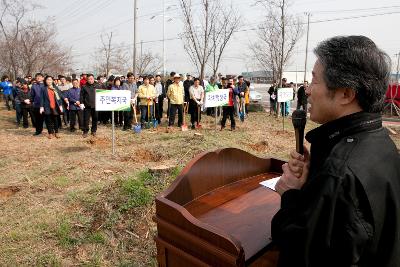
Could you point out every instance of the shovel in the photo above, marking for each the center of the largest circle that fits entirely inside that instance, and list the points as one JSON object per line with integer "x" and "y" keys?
{"x": 184, "y": 126}
{"x": 149, "y": 123}
{"x": 241, "y": 112}
{"x": 137, "y": 128}
{"x": 155, "y": 121}
{"x": 198, "y": 125}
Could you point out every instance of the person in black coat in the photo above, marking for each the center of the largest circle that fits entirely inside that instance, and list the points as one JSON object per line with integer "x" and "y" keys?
{"x": 302, "y": 97}
{"x": 88, "y": 101}
{"x": 51, "y": 106}
{"x": 24, "y": 97}
{"x": 340, "y": 202}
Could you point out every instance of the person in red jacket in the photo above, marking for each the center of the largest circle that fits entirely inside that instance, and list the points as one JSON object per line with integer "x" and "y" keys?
{"x": 229, "y": 109}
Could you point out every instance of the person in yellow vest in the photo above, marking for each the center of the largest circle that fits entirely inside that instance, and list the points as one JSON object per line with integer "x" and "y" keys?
{"x": 146, "y": 94}
{"x": 176, "y": 95}
{"x": 247, "y": 98}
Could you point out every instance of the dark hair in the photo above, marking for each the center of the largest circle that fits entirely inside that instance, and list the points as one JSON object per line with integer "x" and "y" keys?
{"x": 196, "y": 79}
{"x": 158, "y": 75}
{"x": 146, "y": 78}
{"x": 247, "y": 83}
{"x": 172, "y": 74}
{"x": 48, "y": 76}
{"x": 130, "y": 74}
{"x": 4, "y": 77}
{"x": 73, "y": 80}
{"x": 117, "y": 79}
{"x": 240, "y": 77}
{"x": 150, "y": 77}
{"x": 356, "y": 62}
{"x": 68, "y": 79}
{"x": 38, "y": 74}
{"x": 89, "y": 75}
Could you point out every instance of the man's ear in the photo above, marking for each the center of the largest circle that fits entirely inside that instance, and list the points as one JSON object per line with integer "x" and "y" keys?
{"x": 346, "y": 95}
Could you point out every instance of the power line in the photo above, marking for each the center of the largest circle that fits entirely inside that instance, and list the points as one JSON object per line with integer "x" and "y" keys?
{"x": 80, "y": 7}
{"x": 354, "y": 10}
{"x": 257, "y": 28}
{"x": 100, "y": 5}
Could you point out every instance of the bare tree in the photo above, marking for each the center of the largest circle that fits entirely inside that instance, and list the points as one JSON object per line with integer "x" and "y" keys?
{"x": 12, "y": 14}
{"x": 277, "y": 37}
{"x": 39, "y": 50}
{"x": 29, "y": 46}
{"x": 110, "y": 56}
{"x": 107, "y": 52}
{"x": 227, "y": 23}
{"x": 198, "y": 30}
{"x": 148, "y": 63}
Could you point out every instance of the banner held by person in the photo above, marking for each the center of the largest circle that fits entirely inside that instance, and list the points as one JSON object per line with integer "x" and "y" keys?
{"x": 113, "y": 100}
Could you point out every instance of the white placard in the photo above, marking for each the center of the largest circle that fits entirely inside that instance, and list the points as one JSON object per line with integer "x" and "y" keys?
{"x": 285, "y": 94}
{"x": 113, "y": 100}
{"x": 216, "y": 98}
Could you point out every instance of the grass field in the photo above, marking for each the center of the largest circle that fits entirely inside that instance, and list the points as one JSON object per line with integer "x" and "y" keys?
{"x": 69, "y": 202}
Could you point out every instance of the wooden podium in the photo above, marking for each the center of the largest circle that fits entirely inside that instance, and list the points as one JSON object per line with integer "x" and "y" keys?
{"x": 217, "y": 214}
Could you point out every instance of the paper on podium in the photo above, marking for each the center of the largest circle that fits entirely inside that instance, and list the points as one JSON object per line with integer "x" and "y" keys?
{"x": 270, "y": 183}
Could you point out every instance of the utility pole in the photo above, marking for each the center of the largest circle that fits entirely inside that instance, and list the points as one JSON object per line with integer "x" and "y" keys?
{"x": 108, "y": 55}
{"x": 141, "y": 57}
{"x": 308, "y": 31}
{"x": 281, "y": 56}
{"x": 164, "y": 56}
{"x": 134, "y": 36}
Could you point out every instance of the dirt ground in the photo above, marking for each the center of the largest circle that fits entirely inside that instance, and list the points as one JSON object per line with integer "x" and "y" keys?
{"x": 69, "y": 202}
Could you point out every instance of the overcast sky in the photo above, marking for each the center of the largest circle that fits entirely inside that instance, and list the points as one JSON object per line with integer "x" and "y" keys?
{"x": 80, "y": 23}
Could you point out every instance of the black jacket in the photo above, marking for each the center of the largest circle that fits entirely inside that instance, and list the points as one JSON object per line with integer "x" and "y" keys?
{"x": 186, "y": 87}
{"x": 348, "y": 211}
{"x": 301, "y": 95}
{"x": 88, "y": 95}
{"x": 22, "y": 96}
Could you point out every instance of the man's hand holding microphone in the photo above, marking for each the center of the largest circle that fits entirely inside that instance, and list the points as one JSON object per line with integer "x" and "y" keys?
{"x": 295, "y": 172}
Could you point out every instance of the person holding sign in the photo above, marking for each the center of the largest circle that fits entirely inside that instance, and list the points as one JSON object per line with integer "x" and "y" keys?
{"x": 196, "y": 100}
{"x": 176, "y": 95}
{"x": 229, "y": 109}
{"x": 146, "y": 94}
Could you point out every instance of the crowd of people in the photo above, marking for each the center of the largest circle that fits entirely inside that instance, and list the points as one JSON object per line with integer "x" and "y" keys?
{"x": 299, "y": 94}
{"x": 61, "y": 101}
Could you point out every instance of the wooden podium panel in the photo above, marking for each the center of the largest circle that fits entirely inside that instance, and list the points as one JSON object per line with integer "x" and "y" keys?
{"x": 217, "y": 214}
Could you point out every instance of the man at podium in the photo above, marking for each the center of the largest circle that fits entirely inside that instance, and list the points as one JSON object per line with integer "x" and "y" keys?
{"x": 340, "y": 202}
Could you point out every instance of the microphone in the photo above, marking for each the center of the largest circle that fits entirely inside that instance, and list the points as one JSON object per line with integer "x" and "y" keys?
{"x": 299, "y": 120}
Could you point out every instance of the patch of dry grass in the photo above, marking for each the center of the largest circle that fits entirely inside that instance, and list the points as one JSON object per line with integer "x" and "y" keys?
{"x": 69, "y": 202}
